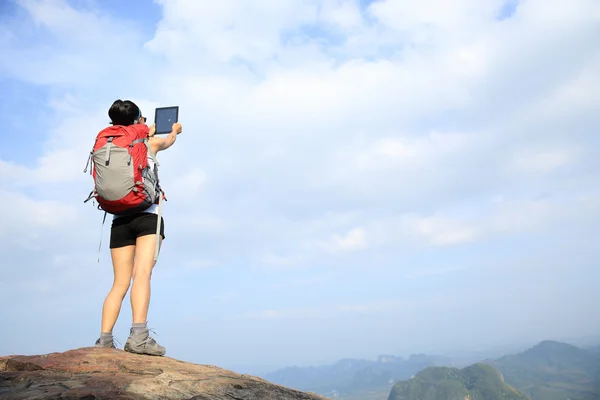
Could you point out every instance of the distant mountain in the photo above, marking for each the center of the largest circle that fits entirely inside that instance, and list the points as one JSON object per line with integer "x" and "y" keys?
{"x": 548, "y": 371}
{"x": 476, "y": 382}
{"x": 351, "y": 376}
{"x": 553, "y": 371}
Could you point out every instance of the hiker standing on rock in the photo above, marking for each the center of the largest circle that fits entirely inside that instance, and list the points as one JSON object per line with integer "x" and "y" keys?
{"x": 124, "y": 167}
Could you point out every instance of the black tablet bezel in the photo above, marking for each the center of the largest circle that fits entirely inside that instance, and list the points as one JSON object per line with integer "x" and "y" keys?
{"x": 165, "y": 108}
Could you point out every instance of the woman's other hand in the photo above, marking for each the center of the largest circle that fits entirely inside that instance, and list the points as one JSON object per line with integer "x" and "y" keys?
{"x": 176, "y": 128}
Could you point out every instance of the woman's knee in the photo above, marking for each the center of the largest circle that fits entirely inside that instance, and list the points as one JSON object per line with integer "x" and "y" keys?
{"x": 120, "y": 288}
{"x": 142, "y": 272}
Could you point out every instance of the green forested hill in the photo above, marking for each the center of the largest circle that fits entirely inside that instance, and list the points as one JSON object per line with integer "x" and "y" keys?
{"x": 476, "y": 382}
{"x": 553, "y": 371}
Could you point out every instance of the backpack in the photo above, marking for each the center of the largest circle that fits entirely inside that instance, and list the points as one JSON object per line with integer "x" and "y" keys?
{"x": 124, "y": 182}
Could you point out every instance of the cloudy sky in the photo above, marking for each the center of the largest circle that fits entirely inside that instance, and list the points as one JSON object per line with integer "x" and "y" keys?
{"x": 353, "y": 178}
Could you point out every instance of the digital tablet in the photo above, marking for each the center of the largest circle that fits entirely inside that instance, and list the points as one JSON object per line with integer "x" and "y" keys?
{"x": 164, "y": 118}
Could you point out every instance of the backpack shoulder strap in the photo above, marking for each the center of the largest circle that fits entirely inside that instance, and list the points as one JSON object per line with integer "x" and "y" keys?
{"x": 152, "y": 155}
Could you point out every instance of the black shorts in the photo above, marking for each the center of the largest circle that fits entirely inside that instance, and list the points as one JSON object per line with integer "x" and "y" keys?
{"x": 125, "y": 230}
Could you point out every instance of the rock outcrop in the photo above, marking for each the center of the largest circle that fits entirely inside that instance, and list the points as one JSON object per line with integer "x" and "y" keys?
{"x": 96, "y": 373}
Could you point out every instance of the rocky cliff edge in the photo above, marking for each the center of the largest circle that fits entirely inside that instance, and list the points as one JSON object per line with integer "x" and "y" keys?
{"x": 92, "y": 373}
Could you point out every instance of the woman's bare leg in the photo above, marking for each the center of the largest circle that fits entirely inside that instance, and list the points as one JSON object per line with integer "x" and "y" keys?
{"x": 122, "y": 259}
{"x": 139, "y": 340}
{"x": 142, "y": 272}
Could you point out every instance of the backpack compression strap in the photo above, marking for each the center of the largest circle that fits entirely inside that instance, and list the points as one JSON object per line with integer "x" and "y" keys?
{"x": 156, "y": 248}
{"x": 100, "y": 245}
{"x": 160, "y": 198}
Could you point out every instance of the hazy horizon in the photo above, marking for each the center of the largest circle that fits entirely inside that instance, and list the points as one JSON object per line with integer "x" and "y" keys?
{"x": 465, "y": 355}
{"x": 354, "y": 178}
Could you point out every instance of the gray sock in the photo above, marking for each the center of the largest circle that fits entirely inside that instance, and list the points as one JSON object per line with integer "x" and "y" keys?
{"x": 139, "y": 327}
{"x": 106, "y": 337}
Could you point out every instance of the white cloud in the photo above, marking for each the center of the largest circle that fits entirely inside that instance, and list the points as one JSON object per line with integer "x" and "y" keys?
{"x": 276, "y": 260}
{"x": 355, "y": 239}
{"x": 343, "y": 14}
{"x": 503, "y": 217}
{"x": 225, "y": 31}
{"x": 572, "y": 97}
{"x": 25, "y": 218}
{"x": 325, "y": 311}
{"x": 81, "y": 41}
{"x": 448, "y": 17}
{"x": 413, "y": 151}
{"x": 187, "y": 187}
{"x": 445, "y": 231}
{"x": 543, "y": 161}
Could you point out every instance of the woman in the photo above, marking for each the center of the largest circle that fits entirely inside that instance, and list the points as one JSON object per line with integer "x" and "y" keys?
{"x": 132, "y": 247}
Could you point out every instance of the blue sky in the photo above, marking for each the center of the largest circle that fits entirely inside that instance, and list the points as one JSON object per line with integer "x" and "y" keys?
{"x": 353, "y": 178}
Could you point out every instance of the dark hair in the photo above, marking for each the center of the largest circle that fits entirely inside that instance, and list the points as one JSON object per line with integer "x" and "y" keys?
{"x": 123, "y": 112}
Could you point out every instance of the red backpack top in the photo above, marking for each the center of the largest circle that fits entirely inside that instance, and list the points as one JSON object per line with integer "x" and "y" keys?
{"x": 124, "y": 182}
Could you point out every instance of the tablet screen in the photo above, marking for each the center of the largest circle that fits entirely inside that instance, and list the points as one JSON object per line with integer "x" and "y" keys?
{"x": 164, "y": 119}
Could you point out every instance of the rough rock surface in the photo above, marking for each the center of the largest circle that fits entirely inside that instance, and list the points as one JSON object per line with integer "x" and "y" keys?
{"x": 96, "y": 373}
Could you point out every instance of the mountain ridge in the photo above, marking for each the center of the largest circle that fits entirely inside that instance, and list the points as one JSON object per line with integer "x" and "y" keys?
{"x": 351, "y": 374}
{"x": 553, "y": 370}
{"x": 525, "y": 370}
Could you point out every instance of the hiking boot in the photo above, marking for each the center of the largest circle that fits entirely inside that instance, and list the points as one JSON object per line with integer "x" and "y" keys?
{"x": 110, "y": 345}
{"x": 142, "y": 343}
